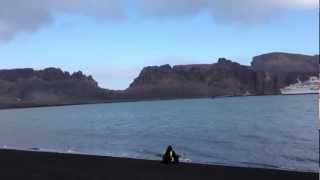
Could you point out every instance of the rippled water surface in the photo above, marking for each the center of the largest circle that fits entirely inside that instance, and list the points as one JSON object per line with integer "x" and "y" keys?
{"x": 265, "y": 131}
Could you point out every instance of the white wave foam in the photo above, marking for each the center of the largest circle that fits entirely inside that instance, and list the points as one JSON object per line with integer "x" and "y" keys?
{"x": 186, "y": 160}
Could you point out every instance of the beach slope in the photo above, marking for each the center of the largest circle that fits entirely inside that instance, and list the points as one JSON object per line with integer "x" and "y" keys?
{"x": 18, "y": 165}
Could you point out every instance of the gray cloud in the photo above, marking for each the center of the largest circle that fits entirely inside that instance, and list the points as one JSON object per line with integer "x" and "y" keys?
{"x": 28, "y": 16}
{"x": 16, "y": 16}
{"x": 238, "y": 11}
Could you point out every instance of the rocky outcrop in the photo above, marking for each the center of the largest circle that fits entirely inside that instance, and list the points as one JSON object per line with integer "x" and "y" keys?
{"x": 222, "y": 78}
{"x": 286, "y": 63}
{"x": 277, "y": 70}
{"x": 24, "y": 87}
{"x": 267, "y": 75}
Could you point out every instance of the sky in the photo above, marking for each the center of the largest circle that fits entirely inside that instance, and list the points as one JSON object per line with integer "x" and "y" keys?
{"x": 112, "y": 40}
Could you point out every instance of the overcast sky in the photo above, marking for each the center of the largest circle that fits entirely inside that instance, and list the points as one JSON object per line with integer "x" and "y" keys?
{"x": 113, "y": 39}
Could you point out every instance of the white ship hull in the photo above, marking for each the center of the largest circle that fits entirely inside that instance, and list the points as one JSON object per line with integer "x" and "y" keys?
{"x": 310, "y": 86}
{"x": 299, "y": 91}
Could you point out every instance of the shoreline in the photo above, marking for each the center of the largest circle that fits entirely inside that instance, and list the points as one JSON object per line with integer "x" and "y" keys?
{"x": 18, "y": 164}
{"x": 71, "y": 152}
{"x": 135, "y": 100}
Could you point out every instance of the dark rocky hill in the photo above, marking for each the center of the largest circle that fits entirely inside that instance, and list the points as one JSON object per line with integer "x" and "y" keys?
{"x": 266, "y": 75}
{"x": 285, "y": 62}
{"x": 28, "y": 87}
{"x": 277, "y": 70}
{"x": 222, "y": 78}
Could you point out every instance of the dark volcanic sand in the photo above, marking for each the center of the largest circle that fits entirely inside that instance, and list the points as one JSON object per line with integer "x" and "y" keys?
{"x": 23, "y": 165}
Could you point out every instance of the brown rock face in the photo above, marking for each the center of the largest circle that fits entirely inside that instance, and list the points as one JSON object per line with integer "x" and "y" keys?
{"x": 286, "y": 63}
{"x": 268, "y": 73}
{"x": 48, "y": 86}
{"x": 277, "y": 70}
{"x": 222, "y": 78}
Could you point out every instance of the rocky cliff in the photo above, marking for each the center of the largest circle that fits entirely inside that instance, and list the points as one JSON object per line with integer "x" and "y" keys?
{"x": 277, "y": 70}
{"x": 286, "y": 63}
{"x": 28, "y": 87}
{"x": 222, "y": 78}
{"x": 267, "y": 74}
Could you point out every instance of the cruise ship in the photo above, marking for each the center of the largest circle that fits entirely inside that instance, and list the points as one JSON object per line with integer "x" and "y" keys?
{"x": 310, "y": 86}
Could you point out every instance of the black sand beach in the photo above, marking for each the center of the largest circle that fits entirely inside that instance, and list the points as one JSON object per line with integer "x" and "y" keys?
{"x": 25, "y": 165}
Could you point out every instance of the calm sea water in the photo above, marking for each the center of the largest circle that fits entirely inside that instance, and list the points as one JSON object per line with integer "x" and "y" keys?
{"x": 265, "y": 131}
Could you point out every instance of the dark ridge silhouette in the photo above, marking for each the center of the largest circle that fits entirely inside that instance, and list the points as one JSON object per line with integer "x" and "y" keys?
{"x": 52, "y": 86}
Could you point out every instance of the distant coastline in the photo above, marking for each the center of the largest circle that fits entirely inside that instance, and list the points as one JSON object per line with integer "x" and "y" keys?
{"x": 140, "y": 100}
{"x": 267, "y": 75}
